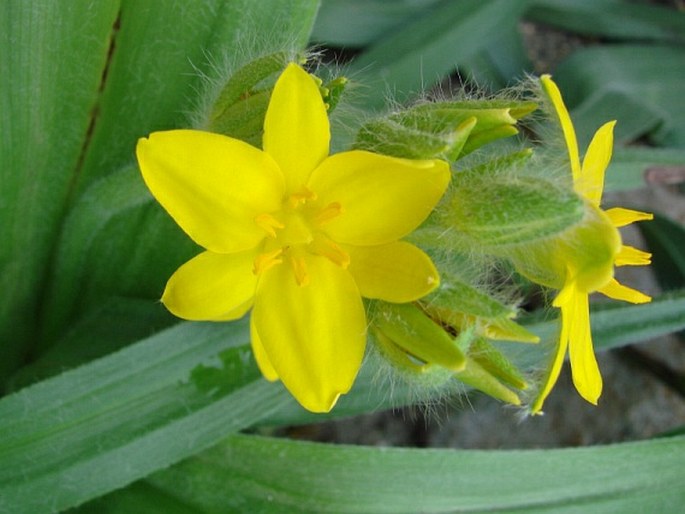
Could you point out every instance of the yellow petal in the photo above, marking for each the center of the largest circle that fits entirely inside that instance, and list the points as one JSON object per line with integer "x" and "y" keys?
{"x": 630, "y": 256}
{"x": 553, "y": 373}
{"x": 554, "y": 95}
{"x": 618, "y": 291}
{"x": 396, "y": 272}
{"x": 212, "y": 185}
{"x": 382, "y": 198}
{"x": 313, "y": 334}
{"x": 621, "y": 217}
{"x": 586, "y": 377}
{"x": 296, "y": 128}
{"x": 591, "y": 181}
{"x": 260, "y": 355}
{"x": 212, "y": 286}
{"x": 562, "y": 301}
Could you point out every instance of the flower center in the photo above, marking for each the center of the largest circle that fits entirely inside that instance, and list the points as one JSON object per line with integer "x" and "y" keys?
{"x": 295, "y": 231}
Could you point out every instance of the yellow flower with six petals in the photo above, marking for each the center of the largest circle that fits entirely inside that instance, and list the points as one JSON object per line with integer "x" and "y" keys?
{"x": 583, "y": 272}
{"x": 294, "y": 234}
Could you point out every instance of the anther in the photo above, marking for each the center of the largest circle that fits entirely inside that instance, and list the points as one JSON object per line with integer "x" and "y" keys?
{"x": 268, "y": 223}
{"x": 267, "y": 260}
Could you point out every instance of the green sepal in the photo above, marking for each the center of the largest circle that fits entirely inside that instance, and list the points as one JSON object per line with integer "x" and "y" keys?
{"x": 410, "y": 329}
{"x": 246, "y": 81}
{"x": 389, "y": 137}
{"x": 447, "y": 130}
{"x": 479, "y": 378}
{"x": 244, "y": 120}
{"x": 587, "y": 250}
{"x": 495, "y": 209}
{"x": 460, "y": 305}
{"x": 455, "y": 295}
{"x": 332, "y": 91}
{"x": 494, "y": 361}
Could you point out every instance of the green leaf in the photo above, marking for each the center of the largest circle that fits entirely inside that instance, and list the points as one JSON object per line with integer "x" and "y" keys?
{"x": 420, "y": 53}
{"x": 52, "y": 54}
{"x": 115, "y": 242}
{"x": 640, "y": 86}
{"x": 357, "y": 23}
{"x": 101, "y": 426}
{"x": 163, "y": 49}
{"x": 256, "y": 474}
{"x": 611, "y": 18}
{"x": 665, "y": 240}
{"x": 493, "y": 213}
{"x": 633, "y": 167}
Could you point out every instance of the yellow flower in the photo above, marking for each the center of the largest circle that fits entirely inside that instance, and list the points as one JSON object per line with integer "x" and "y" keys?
{"x": 584, "y": 272}
{"x": 294, "y": 234}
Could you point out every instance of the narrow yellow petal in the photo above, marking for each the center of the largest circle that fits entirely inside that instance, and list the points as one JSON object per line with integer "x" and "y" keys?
{"x": 212, "y": 185}
{"x": 562, "y": 301}
{"x": 591, "y": 181}
{"x": 396, "y": 272}
{"x": 618, "y": 291}
{"x": 212, "y": 287}
{"x": 260, "y": 355}
{"x": 381, "y": 198}
{"x": 621, "y": 217}
{"x": 586, "y": 375}
{"x": 630, "y": 256}
{"x": 296, "y": 128}
{"x": 553, "y": 93}
{"x": 313, "y": 334}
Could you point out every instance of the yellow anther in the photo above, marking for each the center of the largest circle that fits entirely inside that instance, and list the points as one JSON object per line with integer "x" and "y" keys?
{"x": 300, "y": 271}
{"x": 267, "y": 260}
{"x": 332, "y": 210}
{"x": 268, "y": 223}
{"x": 302, "y": 196}
{"x": 327, "y": 248}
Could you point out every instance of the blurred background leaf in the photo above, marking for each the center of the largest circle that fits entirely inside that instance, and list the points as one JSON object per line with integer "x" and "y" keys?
{"x": 255, "y": 474}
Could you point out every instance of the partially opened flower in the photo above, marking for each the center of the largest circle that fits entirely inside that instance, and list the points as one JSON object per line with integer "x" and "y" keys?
{"x": 588, "y": 266}
{"x": 294, "y": 234}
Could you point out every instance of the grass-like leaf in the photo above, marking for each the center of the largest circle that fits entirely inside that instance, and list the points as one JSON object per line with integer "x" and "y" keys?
{"x": 254, "y": 474}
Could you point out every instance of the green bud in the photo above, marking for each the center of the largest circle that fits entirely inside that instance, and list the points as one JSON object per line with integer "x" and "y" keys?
{"x": 479, "y": 378}
{"x": 447, "y": 130}
{"x": 494, "y": 361}
{"x": 418, "y": 335}
{"x": 492, "y": 210}
{"x": 588, "y": 249}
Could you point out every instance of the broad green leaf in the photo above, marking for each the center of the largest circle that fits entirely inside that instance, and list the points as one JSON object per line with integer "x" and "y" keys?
{"x": 115, "y": 241}
{"x": 163, "y": 49}
{"x": 640, "y": 86}
{"x": 108, "y": 327}
{"x": 99, "y": 427}
{"x": 357, "y": 23}
{"x": 420, "y": 53}
{"x": 256, "y": 474}
{"x": 611, "y": 19}
{"x": 52, "y": 54}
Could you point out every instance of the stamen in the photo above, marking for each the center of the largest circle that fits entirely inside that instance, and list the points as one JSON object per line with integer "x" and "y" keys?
{"x": 302, "y": 196}
{"x": 268, "y": 223}
{"x": 300, "y": 271}
{"x": 267, "y": 260}
{"x": 332, "y": 210}
{"x": 327, "y": 248}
